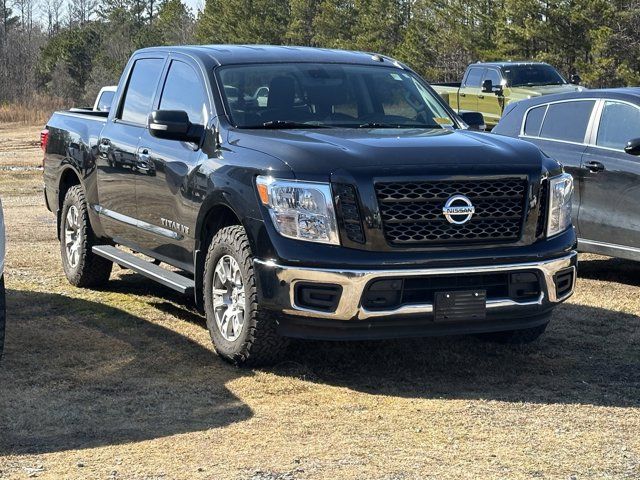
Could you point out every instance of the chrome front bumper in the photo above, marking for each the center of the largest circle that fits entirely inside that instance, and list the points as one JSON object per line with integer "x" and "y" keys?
{"x": 354, "y": 282}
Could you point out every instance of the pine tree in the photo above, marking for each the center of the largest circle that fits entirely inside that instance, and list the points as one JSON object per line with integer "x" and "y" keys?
{"x": 175, "y": 23}
{"x": 333, "y": 25}
{"x": 244, "y": 21}
{"x": 378, "y": 25}
{"x": 300, "y": 30}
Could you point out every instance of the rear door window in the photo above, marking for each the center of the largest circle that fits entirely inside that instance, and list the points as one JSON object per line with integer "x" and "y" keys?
{"x": 567, "y": 121}
{"x": 474, "y": 77}
{"x": 183, "y": 91}
{"x": 140, "y": 90}
{"x": 619, "y": 123}
{"x": 533, "y": 122}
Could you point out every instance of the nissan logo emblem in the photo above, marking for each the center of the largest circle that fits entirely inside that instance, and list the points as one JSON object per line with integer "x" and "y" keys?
{"x": 458, "y": 209}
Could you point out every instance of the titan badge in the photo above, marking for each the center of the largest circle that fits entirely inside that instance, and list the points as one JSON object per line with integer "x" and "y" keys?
{"x": 175, "y": 226}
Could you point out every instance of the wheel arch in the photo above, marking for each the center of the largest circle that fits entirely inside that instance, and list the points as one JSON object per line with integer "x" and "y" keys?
{"x": 215, "y": 214}
{"x": 69, "y": 177}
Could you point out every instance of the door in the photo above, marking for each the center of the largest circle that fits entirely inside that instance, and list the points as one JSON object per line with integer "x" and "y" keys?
{"x": 118, "y": 150}
{"x": 470, "y": 89}
{"x": 490, "y": 104}
{"x": 165, "y": 199}
{"x": 560, "y": 129}
{"x": 610, "y": 205}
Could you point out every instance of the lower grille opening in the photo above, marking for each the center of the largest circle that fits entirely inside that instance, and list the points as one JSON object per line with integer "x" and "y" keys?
{"x": 564, "y": 282}
{"x": 320, "y": 297}
{"x": 387, "y": 294}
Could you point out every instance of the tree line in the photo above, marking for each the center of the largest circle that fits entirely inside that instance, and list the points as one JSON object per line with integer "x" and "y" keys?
{"x": 68, "y": 49}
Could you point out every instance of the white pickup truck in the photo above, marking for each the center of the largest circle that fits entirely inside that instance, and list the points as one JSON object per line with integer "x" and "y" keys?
{"x": 104, "y": 98}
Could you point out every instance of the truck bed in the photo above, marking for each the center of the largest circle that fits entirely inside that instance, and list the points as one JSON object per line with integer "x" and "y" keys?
{"x": 73, "y": 137}
{"x": 449, "y": 93}
{"x": 455, "y": 85}
{"x": 87, "y": 111}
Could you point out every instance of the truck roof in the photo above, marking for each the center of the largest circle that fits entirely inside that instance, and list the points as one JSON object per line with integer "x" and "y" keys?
{"x": 623, "y": 93}
{"x": 508, "y": 63}
{"x": 244, "y": 54}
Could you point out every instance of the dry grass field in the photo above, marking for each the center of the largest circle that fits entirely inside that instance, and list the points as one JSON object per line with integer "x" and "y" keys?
{"x": 123, "y": 384}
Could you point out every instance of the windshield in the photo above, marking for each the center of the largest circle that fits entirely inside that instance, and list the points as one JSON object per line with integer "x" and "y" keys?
{"x": 313, "y": 95}
{"x": 532, "y": 75}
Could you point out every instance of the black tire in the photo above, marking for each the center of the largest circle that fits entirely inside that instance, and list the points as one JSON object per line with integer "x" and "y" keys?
{"x": 3, "y": 314}
{"x": 258, "y": 342}
{"x": 515, "y": 337}
{"x": 89, "y": 270}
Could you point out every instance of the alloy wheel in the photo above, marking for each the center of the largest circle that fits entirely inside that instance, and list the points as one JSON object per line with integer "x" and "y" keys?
{"x": 72, "y": 236}
{"x": 228, "y": 298}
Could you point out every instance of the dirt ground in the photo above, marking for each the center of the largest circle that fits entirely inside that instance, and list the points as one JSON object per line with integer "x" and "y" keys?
{"x": 123, "y": 383}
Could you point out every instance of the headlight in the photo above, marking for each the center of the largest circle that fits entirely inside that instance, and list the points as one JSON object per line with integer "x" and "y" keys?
{"x": 300, "y": 210}
{"x": 560, "y": 192}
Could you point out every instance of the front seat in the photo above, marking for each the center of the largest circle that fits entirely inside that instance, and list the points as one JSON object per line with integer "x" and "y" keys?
{"x": 281, "y": 99}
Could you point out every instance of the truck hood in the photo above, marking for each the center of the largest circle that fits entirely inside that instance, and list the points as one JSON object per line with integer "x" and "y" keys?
{"x": 316, "y": 154}
{"x": 545, "y": 90}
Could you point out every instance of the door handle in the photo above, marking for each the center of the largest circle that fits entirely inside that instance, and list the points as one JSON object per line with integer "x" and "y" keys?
{"x": 143, "y": 155}
{"x": 463, "y": 94}
{"x": 594, "y": 166}
{"x": 142, "y": 165}
{"x": 104, "y": 145}
{"x": 480, "y": 97}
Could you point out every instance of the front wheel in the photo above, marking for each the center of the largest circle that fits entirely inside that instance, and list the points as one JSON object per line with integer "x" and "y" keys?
{"x": 241, "y": 331}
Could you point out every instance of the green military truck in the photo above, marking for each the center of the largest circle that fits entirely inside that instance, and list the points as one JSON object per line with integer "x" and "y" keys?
{"x": 489, "y": 87}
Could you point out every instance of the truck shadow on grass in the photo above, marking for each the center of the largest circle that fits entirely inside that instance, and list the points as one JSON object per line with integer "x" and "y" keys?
{"x": 80, "y": 374}
{"x": 587, "y": 356}
{"x": 609, "y": 269}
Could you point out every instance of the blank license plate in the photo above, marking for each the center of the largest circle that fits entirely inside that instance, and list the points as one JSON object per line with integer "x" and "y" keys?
{"x": 460, "y": 305}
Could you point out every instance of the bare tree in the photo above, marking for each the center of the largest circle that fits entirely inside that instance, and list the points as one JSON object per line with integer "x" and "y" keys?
{"x": 52, "y": 13}
{"x": 81, "y": 11}
{"x": 25, "y": 9}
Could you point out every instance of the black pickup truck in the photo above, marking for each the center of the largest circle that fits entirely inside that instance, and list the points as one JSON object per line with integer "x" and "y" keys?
{"x": 344, "y": 200}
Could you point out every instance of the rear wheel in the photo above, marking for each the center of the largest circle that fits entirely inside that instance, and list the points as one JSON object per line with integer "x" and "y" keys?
{"x": 516, "y": 337}
{"x": 81, "y": 266}
{"x": 241, "y": 332}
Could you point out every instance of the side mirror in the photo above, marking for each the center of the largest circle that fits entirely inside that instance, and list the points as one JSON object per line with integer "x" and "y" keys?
{"x": 633, "y": 147}
{"x": 173, "y": 125}
{"x": 475, "y": 120}
{"x": 487, "y": 86}
{"x": 575, "y": 79}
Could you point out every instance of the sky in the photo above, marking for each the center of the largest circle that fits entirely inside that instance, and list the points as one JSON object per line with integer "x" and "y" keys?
{"x": 195, "y": 5}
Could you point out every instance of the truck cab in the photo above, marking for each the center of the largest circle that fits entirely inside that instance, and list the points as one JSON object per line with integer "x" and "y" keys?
{"x": 309, "y": 193}
{"x": 489, "y": 87}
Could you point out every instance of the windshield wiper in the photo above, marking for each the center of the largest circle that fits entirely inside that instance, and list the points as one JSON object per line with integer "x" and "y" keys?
{"x": 397, "y": 125}
{"x": 289, "y": 124}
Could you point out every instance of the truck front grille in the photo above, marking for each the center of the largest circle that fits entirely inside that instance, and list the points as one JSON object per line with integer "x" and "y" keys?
{"x": 412, "y": 211}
